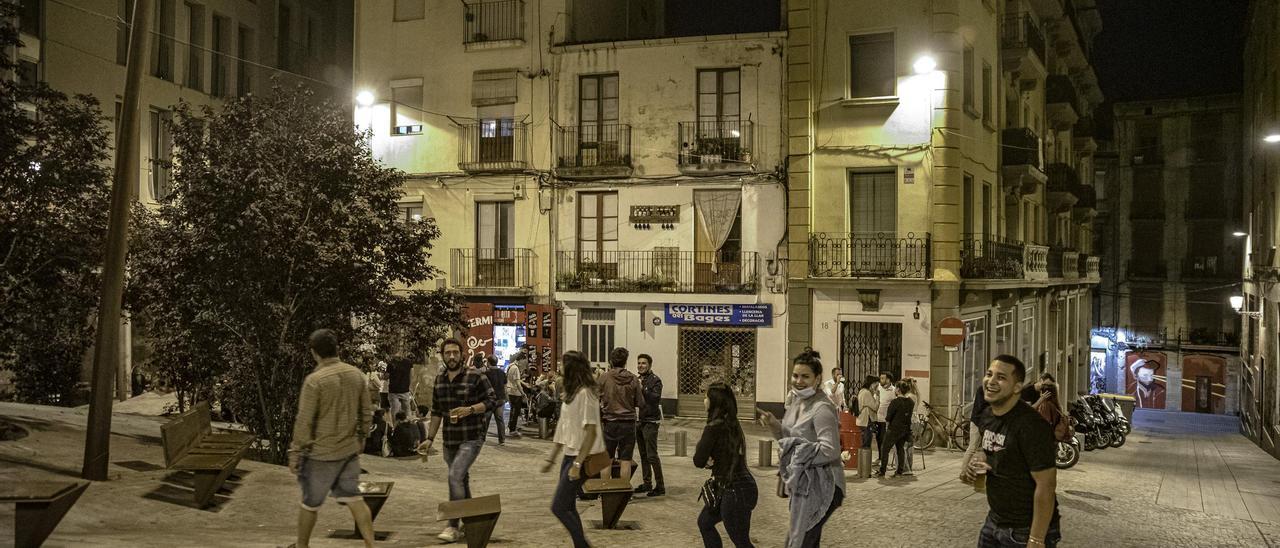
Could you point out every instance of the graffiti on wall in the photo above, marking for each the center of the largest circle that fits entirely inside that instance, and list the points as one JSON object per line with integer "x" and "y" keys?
{"x": 1145, "y": 378}
{"x": 1097, "y": 371}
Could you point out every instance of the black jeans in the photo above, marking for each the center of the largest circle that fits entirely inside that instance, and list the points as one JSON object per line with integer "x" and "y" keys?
{"x": 620, "y": 439}
{"x": 994, "y": 536}
{"x": 564, "y": 504}
{"x": 517, "y": 407}
{"x": 898, "y": 441}
{"x": 813, "y": 538}
{"x": 735, "y": 511}
{"x": 650, "y": 465}
{"x": 879, "y": 428}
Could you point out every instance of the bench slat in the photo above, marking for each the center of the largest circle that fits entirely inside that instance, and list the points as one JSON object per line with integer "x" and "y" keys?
{"x": 31, "y": 491}
{"x": 205, "y": 462}
{"x": 454, "y": 509}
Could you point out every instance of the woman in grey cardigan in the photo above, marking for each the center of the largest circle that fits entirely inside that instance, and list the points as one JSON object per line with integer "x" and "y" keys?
{"x": 810, "y": 466}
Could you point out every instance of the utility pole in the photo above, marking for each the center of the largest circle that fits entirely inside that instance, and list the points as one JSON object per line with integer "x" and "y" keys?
{"x": 106, "y": 351}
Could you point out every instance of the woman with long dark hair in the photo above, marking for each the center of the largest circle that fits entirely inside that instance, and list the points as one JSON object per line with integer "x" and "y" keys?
{"x": 578, "y": 434}
{"x": 809, "y": 438}
{"x": 730, "y": 495}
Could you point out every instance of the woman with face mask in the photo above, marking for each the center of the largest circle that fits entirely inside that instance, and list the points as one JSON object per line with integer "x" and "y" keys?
{"x": 809, "y": 438}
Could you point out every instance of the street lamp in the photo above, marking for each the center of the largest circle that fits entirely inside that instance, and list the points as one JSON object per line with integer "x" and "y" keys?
{"x": 364, "y": 98}
{"x": 1272, "y": 138}
{"x": 1239, "y": 233}
{"x": 1237, "y": 304}
{"x": 926, "y": 64}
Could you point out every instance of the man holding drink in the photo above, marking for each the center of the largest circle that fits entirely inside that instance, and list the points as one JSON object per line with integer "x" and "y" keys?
{"x": 463, "y": 395}
{"x": 1016, "y": 465}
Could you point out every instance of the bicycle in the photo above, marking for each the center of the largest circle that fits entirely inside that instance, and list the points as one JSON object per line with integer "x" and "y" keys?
{"x": 937, "y": 427}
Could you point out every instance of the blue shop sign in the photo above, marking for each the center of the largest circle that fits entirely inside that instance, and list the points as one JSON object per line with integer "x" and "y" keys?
{"x": 757, "y": 315}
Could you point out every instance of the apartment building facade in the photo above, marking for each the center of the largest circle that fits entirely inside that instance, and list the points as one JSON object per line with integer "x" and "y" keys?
{"x": 940, "y": 166}
{"x": 201, "y": 52}
{"x": 1259, "y": 388}
{"x": 1175, "y": 207}
{"x": 604, "y": 174}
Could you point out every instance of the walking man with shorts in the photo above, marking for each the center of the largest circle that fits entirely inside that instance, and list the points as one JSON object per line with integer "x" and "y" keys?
{"x": 334, "y": 416}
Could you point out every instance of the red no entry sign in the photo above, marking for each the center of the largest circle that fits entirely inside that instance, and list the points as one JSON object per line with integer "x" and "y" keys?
{"x": 951, "y": 332}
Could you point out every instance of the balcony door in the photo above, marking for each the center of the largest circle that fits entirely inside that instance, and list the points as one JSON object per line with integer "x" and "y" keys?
{"x": 719, "y": 131}
{"x": 717, "y": 242}
{"x": 598, "y": 235}
{"x": 873, "y": 223}
{"x": 495, "y": 244}
{"x": 598, "y": 120}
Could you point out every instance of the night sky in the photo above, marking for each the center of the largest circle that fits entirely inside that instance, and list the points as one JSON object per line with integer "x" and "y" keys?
{"x": 1151, "y": 49}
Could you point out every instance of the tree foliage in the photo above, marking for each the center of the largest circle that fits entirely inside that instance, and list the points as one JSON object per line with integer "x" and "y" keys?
{"x": 280, "y": 222}
{"x": 54, "y": 199}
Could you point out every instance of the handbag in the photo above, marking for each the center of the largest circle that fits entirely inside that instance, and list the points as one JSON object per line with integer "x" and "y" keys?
{"x": 713, "y": 489}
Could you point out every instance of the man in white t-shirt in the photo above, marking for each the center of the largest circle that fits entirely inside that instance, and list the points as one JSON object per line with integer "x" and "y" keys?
{"x": 886, "y": 394}
{"x": 835, "y": 389}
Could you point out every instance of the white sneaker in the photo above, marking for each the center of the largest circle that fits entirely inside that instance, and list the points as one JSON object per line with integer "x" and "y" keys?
{"x": 450, "y": 534}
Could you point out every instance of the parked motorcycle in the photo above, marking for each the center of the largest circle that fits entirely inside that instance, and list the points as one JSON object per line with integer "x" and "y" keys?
{"x": 1089, "y": 426}
{"x": 1068, "y": 453}
{"x": 1113, "y": 424}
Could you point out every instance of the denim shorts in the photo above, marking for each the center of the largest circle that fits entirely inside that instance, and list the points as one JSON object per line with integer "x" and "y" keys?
{"x": 320, "y": 478}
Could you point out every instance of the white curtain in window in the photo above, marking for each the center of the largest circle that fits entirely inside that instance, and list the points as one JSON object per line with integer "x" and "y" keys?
{"x": 717, "y": 210}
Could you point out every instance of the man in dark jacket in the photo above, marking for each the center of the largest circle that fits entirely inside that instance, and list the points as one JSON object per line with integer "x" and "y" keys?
{"x": 498, "y": 380}
{"x": 898, "y": 424}
{"x": 620, "y": 395}
{"x": 647, "y": 430}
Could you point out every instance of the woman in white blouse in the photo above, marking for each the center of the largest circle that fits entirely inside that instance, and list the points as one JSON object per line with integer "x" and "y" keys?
{"x": 578, "y": 434}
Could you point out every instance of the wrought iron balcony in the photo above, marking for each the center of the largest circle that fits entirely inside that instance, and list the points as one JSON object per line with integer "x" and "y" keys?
{"x": 1021, "y": 146}
{"x": 868, "y": 255}
{"x": 991, "y": 258}
{"x": 717, "y": 145}
{"x": 1019, "y": 31}
{"x": 1062, "y": 184}
{"x": 493, "y": 145}
{"x": 594, "y": 150}
{"x": 492, "y": 269}
{"x": 493, "y": 21}
{"x": 658, "y": 271}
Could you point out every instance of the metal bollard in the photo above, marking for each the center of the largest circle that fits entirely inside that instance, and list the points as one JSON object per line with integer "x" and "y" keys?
{"x": 542, "y": 428}
{"x": 682, "y": 442}
{"x": 864, "y": 463}
{"x": 766, "y": 453}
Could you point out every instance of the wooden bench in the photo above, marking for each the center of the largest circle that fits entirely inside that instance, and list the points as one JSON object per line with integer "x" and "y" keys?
{"x": 191, "y": 446}
{"x": 41, "y": 505}
{"x": 615, "y": 494}
{"x": 478, "y": 515}
{"x": 375, "y": 494}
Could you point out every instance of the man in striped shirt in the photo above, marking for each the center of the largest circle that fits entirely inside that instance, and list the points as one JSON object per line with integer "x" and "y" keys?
{"x": 334, "y": 416}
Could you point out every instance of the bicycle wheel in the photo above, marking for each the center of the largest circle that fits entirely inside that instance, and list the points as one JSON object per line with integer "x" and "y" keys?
{"x": 960, "y": 435}
{"x": 925, "y": 438}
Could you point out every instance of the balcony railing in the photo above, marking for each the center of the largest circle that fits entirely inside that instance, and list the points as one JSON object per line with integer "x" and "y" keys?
{"x": 493, "y": 145}
{"x": 657, "y": 271}
{"x": 868, "y": 255}
{"x": 716, "y": 142}
{"x": 594, "y": 145}
{"x": 493, "y": 20}
{"x": 1070, "y": 264}
{"x": 1035, "y": 261}
{"x": 1210, "y": 267}
{"x": 1092, "y": 267}
{"x": 1021, "y": 146}
{"x": 1019, "y": 30}
{"x": 491, "y": 268}
{"x": 991, "y": 258}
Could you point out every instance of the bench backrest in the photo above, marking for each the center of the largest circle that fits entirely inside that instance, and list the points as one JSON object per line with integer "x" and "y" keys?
{"x": 201, "y": 409}
{"x": 179, "y": 434}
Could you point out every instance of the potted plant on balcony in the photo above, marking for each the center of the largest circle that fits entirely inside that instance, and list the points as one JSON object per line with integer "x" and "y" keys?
{"x": 709, "y": 151}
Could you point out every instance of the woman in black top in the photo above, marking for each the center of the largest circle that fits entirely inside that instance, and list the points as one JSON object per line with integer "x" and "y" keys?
{"x": 723, "y": 449}
{"x": 898, "y": 421}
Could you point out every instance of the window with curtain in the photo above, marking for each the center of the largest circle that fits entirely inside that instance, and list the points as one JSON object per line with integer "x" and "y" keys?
{"x": 873, "y": 203}
{"x": 871, "y": 71}
{"x": 495, "y": 227}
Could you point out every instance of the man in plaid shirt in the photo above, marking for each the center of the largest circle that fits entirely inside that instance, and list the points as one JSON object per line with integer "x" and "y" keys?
{"x": 461, "y": 397}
